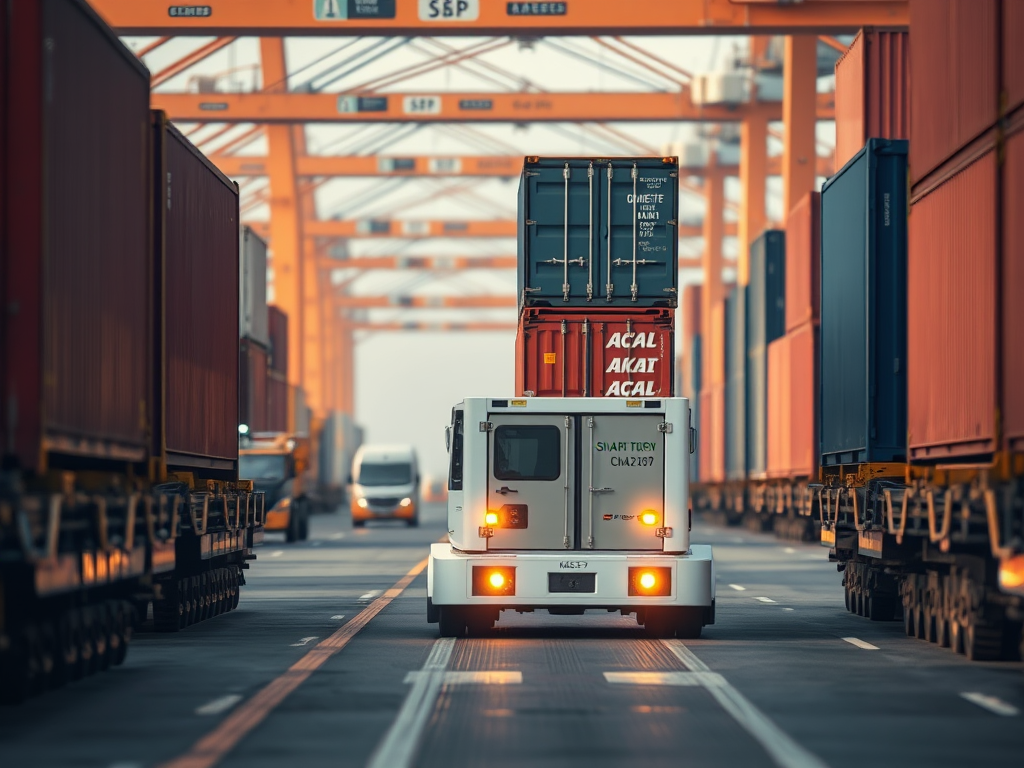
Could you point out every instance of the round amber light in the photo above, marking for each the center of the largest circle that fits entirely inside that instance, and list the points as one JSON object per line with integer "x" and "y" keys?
{"x": 647, "y": 580}
{"x": 497, "y": 580}
{"x": 649, "y": 517}
{"x": 491, "y": 518}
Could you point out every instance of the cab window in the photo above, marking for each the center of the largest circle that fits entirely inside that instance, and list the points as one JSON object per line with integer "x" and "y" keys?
{"x": 527, "y": 453}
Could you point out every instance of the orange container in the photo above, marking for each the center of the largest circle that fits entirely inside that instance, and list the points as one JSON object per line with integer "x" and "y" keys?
{"x": 713, "y": 347}
{"x": 778, "y": 406}
{"x": 793, "y": 404}
{"x": 872, "y": 91}
{"x": 712, "y": 434}
{"x": 1013, "y": 287}
{"x": 803, "y": 261}
{"x": 691, "y": 309}
{"x": 951, "y": 316}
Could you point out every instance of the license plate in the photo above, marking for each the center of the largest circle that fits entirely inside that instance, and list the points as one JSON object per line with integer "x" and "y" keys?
{"x": 572, "y": 582}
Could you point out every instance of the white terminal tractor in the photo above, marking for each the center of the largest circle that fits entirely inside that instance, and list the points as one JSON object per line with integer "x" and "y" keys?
{"x": 569, "y": 504}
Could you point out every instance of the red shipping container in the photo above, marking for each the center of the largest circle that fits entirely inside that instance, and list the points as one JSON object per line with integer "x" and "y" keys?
{"x": 76, "y": 250}
{"x": 1013, "y": 288}
{"x": 803, "y": 261}
{"x": 951, "y": 316}
{"x": 692, "y": 308}
{"x": 277, "y": 402}
{"x": 197, "y": 224}
{"x": 1013, "y": 53}
{"x": 872, "y": 92}
{"x": 277, "y": 324}
{"x": 954, "y": 60}
{"x": 252, "y": 386}
{"x": 711, "y": 435}
{"x": 793, "y": 404}
{"x": 595, "y": 353}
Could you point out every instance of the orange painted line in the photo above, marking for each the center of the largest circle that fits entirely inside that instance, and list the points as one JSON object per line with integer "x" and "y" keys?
{"x": 215, "y": 745}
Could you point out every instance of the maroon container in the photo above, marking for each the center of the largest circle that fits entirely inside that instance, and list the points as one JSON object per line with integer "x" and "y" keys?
{"x": 1013, "y": 287}
{"x": 951, "y": 316}
{"x": 595, "y": 353}
{"x": 712, "y": 435}
{"x": 277, "y": 402}
{"x": 803, "y": 261}
{"x": 1013, "y": 53}
{"x": 955, "y": 65}
{"x": 691, "y": 308}
{"x": 252, "y": 386}
{"x": 277, "y": 324}
{"x": 77, "y": 301}
{"x": 872, "y": 92}
{"x": 197, "y": 227}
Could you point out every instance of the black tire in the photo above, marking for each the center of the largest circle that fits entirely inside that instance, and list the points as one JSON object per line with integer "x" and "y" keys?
{"x": 689, "y": 623}
{"x": 433, "y": 612}
{"x": 291, "y": 534}
{"x": 304, "y": 528}
{"x": 358, "y": 523}
{"x": 660, "y": 622}
{"x": 451, "y": 621}
{"x": 480, "y": 621}
{"x": 881, "y": 607}
{"x": 413, "y": 522}
{"x": 983, "y": 641}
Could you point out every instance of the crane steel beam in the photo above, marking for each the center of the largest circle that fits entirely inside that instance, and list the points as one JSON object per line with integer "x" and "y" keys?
{"x": 346, "y": 228}
{"x": 263, "y": 107}
{"x": 500, "y": 166}
{"x": 452, "y": 263}
{"x": 490, "y": 17}
{"x": 423, "y": 302}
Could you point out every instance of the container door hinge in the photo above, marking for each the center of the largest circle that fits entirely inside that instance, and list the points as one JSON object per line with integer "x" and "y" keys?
{"x": 486, "y": 426}
{"x": 530, "y": 222}
{"x": 665, "y": 427}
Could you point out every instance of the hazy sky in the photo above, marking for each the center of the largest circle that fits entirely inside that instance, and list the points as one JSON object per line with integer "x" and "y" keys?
{"x": 407, "y": 382}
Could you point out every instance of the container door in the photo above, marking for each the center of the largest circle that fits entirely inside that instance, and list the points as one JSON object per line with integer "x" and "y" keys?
{"x": 530, "y": 486}
{"x": 561, "y": 222}
{"x": 639, "y": 234}
{"x": 623, "y": 482}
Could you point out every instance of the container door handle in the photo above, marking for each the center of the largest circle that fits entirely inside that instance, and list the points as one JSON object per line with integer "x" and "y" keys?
{"x": 633, "y": 290}
{"x": 590, "y": 234}
{"x": 505, "y": 490}
{"x": 609, "y": 286}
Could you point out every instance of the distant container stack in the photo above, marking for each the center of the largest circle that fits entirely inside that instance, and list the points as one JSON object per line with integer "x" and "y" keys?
{"x": 253, "y": 324}
{"x": 277, "y": 370}
{"x": 598, "y": 277}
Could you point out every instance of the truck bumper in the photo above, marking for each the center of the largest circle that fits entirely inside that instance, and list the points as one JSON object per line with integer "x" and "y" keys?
{"x": 450, "y": 578}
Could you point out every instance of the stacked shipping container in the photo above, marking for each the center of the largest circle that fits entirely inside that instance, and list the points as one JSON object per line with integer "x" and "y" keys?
{"x": 253, "y": 319}
{"x": 277, "y": 370}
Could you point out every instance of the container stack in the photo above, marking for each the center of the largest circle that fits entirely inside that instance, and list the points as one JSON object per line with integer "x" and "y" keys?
{"x": 254, "y": 343}
{"x": 598, "y": 277}
{"x": 277, "y": 370}
{"x": 691, "y": 373}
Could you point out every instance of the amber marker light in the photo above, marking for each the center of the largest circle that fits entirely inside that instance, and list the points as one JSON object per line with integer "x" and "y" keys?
{"x": 493, "y": 580}
{"x": 651, "y": 581}
{"x": 497, "y": 580}
{"x": 1011, "y": 574}
{"x": 648, "y": 517}
{"x": 491, "y": 518}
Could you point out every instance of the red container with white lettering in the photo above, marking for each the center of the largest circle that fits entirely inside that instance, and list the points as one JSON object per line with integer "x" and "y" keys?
{"x": 595, "y": 352}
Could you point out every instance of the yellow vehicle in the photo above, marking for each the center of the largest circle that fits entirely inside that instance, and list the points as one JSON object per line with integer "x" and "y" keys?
{"x": 279, "y": 465}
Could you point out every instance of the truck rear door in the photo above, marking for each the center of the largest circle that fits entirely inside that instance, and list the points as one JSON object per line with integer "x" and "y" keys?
{"x": 623, "y": 481}
{"x": 530, "y": 486}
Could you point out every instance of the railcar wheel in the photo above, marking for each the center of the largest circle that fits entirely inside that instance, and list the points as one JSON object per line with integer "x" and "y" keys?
{"x": 983, "y": 640}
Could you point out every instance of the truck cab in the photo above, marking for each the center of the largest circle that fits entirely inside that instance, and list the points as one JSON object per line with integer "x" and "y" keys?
{"x": 385, "y": 484}
{"x": 278, "y": 464}
{"x": 569, "y": 504}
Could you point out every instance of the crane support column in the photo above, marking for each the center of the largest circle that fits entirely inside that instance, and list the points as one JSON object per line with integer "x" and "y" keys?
{"x": 799, "y": 95}
{"x": 753, "y": 180}
{"x": 714, "y": 198}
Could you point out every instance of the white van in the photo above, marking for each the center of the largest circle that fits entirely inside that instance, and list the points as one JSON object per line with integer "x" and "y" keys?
{"x": 385, "y": 484}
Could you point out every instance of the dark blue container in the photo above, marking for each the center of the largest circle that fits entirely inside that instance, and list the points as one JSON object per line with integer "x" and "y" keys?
{"x": 696, "y": 377}
{"x": 598, "y": 232}
{"x": 766, "y": 321}
{"x": 736, "y": 384}
{"x": 864, "y": 307}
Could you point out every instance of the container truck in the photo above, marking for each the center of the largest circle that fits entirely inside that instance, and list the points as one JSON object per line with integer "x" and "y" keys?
{"x": 278, "y": 464}
{"x": 570, "y": 504}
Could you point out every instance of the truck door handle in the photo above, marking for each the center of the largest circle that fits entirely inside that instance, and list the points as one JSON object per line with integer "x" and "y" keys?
{"x": 505, "y": 489}
{"x": 602, "y": 490}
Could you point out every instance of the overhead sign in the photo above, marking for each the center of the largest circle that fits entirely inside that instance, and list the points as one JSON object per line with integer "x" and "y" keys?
{"x": 449, "y": 10}
{"x": 189, "y": 11}
{"x": 445, "y": 165}
{"x": 536, "y": 9}
{"x": 340, "y": 10}
{"x": 347, "y": 104}
{"x": 481, "y": 104}
{"x": 421, "y": 105}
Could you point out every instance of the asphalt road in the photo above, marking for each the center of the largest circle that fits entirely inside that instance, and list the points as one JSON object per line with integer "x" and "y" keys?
{"x": 327, "y": 663}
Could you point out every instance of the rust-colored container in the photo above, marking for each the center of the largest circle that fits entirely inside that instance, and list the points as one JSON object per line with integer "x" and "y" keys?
{"x": 1013, "y": 54}
{"x": 951, "y": 317}
{"x": 714, "y": 347}
{"x": 196, "y": 228}
{"x": 76, "y": 252}
{"x": 872, "y": 91}
{"x": 277, "y": 324}
{"x": 595, "y": 353}
{"x": 277, "y": 402}
{"x": 712, "y": 435}
{"x": 955, "y": 65}
{"x": 1013, "y": 287}
{"x": 793, "y": 404}
{"x": 691, "y": 309}
{"x": 252, "y": 386}
{"x": 803, "y": 261}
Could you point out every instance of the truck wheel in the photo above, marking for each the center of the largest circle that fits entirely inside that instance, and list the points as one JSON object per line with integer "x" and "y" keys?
{"x": 689, "y": 623}
{"x": 451, "y": 621}
{"x": 291, "y": 534}
{"x": 358, "y": 523}
{"x": 480, "y": 621}
{"x": 304, "y": 528}
{"x": 433, "y": 612}
{"x": 660, "y": 622}
{"x": 413, "y": 521}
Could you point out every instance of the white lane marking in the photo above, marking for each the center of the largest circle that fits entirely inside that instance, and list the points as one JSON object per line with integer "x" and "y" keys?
{"x": 789, "y": 551}
{"x": 370, "y": 595}
{"x": 398, "y": 747}
{"x": 336, "y": 536}
{"x": 339, "y": 617}
{"x": 706, "y": 679}
{"x": 765, "y": 599}
{"x": 861, "y": 643}
{"x": 223, "y": 704}
{"x": 737, "y": 587}
{"x": 787, "y": 609}
{"x": 482, "y": 677}
{"x": 304, "y": 641}
{"x": 991, "y": 703}
{"x": 278, "y": 553}
{"x": 782, "y": 749}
